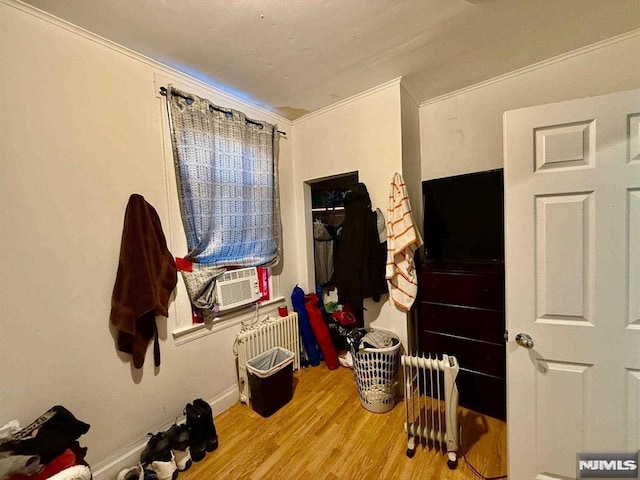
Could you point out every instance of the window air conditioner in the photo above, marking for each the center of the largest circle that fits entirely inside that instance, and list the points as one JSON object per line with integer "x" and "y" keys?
{"x": 236, "y": 288}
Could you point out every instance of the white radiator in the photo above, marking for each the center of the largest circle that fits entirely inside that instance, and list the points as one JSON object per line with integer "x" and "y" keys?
{"x": 431, "y": 404}
{"x": 255, "y": 339}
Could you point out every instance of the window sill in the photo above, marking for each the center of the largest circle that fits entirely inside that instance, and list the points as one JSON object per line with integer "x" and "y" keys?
{"x": 189, "y": 333}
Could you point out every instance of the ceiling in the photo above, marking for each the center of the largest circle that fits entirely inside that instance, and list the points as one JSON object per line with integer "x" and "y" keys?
{"x": 297, "y": 56}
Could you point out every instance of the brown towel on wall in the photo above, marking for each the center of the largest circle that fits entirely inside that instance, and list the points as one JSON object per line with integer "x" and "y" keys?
{"x": 147, "y": 275}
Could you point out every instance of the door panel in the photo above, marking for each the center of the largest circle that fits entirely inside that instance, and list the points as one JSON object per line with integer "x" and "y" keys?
{"x": 633, "y": 415}
{"x": 634, "y": 138}
{"x": 564, "y": 270}
{"x": 564, "y": 146}
{"x": 553, "y": 380}
{"x": 572, "y": 233}
{"x": 634, "y": 258}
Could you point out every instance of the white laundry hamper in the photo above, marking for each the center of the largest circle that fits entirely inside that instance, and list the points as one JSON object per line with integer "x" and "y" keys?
{"x": 375, "y": 371}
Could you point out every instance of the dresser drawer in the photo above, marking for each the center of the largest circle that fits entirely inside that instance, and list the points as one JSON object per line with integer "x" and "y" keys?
{"x": 472, "y": 355}
{"x": 476, "y": 323}
{"x": 482, "y": 393}
{"x": 473, "y": 289}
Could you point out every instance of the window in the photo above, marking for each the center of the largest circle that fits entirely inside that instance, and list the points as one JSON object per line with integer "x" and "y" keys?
{"x": 227, "y": 182}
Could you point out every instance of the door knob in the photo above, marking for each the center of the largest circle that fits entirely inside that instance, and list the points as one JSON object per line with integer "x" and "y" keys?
{"x": 524, "y": 340}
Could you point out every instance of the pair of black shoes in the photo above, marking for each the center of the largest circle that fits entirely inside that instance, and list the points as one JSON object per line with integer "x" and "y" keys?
{"x": 202, "y": 431}
{"x": 168, "y": 451}
{"x": 159, "y": 456}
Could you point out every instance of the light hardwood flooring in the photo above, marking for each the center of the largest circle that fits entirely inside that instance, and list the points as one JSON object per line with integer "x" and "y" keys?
{"x": 325, "y": 434}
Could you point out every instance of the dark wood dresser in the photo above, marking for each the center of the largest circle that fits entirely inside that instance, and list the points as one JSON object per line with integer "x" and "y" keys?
{"x": 461, "y": 313}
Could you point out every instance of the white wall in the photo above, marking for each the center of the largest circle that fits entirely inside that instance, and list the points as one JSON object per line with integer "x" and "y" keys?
{"x": 411, "y": 161}
{"x": 363, "y": 133}
{"x": 462, "y": 132}
{"x": 411, "y": 166}
{"x": 82, "y": 128}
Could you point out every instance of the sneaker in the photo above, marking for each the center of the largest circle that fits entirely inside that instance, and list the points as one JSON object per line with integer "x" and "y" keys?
{"x": 150, "y": 474}
{"x": 165, "y": 468}
{"x": 158, "y": 457}
{"x": 157, "y": 447}
{"x": 195, "y": 425}
{"x": 137, "y": 473}
{"x": 211, "y": 437}
{"x": 179, "y": 441}
{"x": 133, "y": 473}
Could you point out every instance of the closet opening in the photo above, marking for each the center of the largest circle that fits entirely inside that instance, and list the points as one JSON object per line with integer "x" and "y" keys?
{"x": 327, "y": 215}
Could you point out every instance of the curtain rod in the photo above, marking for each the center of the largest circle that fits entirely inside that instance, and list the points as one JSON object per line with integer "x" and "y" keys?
{"x": 163, "y": 92}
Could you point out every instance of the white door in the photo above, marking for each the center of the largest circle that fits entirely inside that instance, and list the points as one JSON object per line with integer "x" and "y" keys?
{"x": 572, "y": 221}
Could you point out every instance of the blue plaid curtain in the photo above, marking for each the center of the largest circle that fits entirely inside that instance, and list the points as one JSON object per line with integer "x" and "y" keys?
{"x": 227, "y": 174}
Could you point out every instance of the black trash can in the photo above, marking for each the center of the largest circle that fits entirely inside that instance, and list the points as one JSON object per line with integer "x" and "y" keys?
{"x": 270, "y": 380}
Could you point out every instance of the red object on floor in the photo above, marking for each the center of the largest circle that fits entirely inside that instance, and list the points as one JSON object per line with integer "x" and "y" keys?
{"x": 321, "y": 331}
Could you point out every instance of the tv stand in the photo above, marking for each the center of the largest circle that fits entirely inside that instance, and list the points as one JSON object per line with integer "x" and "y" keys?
{"x": 461, "y": 313}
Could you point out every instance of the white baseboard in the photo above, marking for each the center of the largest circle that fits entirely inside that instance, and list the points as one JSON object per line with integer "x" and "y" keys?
{"x": 130, "y": 456}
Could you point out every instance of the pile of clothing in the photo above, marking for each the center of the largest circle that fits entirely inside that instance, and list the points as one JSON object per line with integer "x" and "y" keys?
{"x": 378, "y": 339}
{"x": 362, "y": 338}
{"x": 47, "y": 448}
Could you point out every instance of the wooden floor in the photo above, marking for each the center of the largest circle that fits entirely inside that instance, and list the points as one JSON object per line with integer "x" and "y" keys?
{"x": 324, "y": 433}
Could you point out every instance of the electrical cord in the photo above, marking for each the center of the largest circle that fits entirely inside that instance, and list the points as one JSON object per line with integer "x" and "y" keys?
{"x": 477, "y": 473}
{"x": 466, "y": 460}
{"x": 250, "y": 323}
{"x": 247, "y": 325}
{"x": 473, "y": 469}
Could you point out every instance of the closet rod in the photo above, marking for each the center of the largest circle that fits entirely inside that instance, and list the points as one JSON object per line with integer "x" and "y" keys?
{"x": 163, "y": 92}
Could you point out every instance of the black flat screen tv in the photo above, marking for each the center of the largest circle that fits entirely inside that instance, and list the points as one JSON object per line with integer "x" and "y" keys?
{"x": 464, "y": 217}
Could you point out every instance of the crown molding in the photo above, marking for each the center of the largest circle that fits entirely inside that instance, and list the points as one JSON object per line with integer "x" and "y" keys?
{"x": 358, "y": 96}
{"x": 70, "y": 27}
{"x": 410, "y": 95}
{"x": 530, "y": 68}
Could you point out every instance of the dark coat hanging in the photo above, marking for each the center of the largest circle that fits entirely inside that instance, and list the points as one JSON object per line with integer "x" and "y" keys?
{"x": 360, "y": 259}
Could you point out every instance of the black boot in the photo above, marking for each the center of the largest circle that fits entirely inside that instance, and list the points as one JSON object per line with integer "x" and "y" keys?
{"x": 211, "y": 437}
{"x": 195, "y": 424}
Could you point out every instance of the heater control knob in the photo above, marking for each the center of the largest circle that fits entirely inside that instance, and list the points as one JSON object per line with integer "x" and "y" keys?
{"x": 524, "y": 340}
